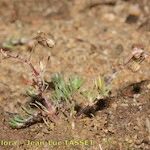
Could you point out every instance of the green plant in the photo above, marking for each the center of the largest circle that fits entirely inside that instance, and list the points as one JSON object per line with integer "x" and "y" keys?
{"x": 65, "y": 89}
{"x": 39, "y": 100}
{"x": 99, "y": 90}
{"x": 47, "y": 104}
{"x": 90, "y": 95}
{"x": 102, "y": 88}
{"x": 17, "y": 122}
{"x": 41, "y": 106}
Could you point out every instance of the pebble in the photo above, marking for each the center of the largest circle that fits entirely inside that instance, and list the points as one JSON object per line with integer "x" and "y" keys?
{"x": 134, "y": 10}
{"x": 136, "y": 96}
{"x": 109, "y": 16}
{"x": 148, "y": 86}
{"x": 124, "y": 105}
{"x": 114, "y": 106}
{"x": 128, "y": 140}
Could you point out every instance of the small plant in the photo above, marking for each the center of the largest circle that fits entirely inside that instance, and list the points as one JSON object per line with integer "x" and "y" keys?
{"x": 22, "y": 122}
{"x": 99, "y": 95}
{"x": 43, "y": 106}
{"x": 102, "y": 88}
{"x": 90, "y": 95}
{"x": 63, "y": 89}
{"x": 48, "y": 99}
{"x": 99, "y": 90}
{"x": 17, "y": 122}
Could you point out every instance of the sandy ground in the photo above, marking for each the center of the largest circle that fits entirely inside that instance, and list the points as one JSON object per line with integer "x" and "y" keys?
{"x": 92, "y": 38}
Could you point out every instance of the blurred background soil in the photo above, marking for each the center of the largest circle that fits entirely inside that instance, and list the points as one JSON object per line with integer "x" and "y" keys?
{"x": 92, "y": 37}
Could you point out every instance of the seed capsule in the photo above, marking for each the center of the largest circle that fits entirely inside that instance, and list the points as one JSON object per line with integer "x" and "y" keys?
{"x": 134, "y": 66}
{"x": 45, "y": 40}
{"x": 137, "y": 56}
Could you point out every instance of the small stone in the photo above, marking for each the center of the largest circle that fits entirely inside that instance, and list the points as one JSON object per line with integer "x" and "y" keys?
{"x": 148, "y": 86}
{"x": 128, "y": 140}
{"x": 134, "y": 10}
{"x": 136, "y": 96}
{"x": 114, "y": 106}
{"x": 109, "y": 17}
{"x": 124, "y": 105}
